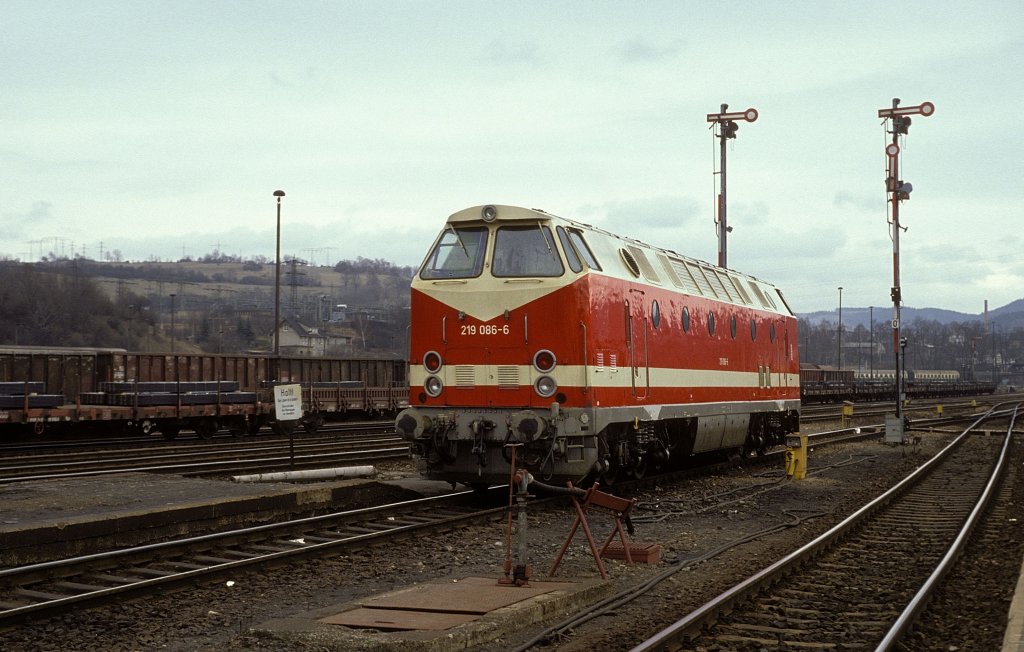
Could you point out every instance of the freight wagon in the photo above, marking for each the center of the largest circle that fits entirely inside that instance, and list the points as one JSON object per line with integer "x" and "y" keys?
{"x": 45, "y": 387}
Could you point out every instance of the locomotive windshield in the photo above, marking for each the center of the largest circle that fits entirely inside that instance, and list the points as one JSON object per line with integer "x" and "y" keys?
{"x": 459, "y": 253}
{"x": 526, "y": 251}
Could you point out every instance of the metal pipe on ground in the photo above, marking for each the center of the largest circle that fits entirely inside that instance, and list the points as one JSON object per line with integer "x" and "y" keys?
{"x": 309, "y": 474}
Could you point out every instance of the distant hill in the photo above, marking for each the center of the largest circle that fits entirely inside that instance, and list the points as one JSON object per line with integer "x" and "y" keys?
{"x": 1009, "y": 316}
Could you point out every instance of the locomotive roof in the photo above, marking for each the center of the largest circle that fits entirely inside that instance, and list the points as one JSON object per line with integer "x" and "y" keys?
{"x": 631, "y": 258}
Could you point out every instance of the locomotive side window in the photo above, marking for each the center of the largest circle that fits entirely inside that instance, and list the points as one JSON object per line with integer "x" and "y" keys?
{"x": 526, "y": 251}
{"x": 753, "y": 330}
{"x": 459, "y": 253}
{"x": 771, "y": 331}
{"x": 686, "y": 319}
{"x": 581, "y": 248}
{"x": 732, "y": 326}
{"x": 655, "y": 313}
{"x": 711, "y": 323}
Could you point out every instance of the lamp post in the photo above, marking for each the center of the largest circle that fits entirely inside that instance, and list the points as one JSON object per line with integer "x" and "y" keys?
{"x": 871, "y": 360}
{"x": 839, "y": 331}
{"x": 277, "y": 280}
{"x": 131, "y": 315}
{"x": 172, "y": 323}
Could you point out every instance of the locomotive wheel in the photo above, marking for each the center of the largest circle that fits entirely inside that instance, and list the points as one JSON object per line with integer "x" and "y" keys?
{"x": 613, "y": 476}
{"x": 640, "y": 470}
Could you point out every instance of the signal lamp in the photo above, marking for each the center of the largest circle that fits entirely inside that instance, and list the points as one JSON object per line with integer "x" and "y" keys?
{"x": 433, "y": 386}
{"x": 544, "y": 361}
{"x": 488, "y": 213}
{"x": 904, "y": 189}
{"x": 432, "y": 361}
{"x": 545, "y": 386}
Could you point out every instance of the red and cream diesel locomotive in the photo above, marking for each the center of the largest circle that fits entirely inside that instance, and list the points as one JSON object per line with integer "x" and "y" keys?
{"x": 602, "y": 356}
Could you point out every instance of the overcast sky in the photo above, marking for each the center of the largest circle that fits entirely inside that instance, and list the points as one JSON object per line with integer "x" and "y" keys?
{"x": 163, "y": 128}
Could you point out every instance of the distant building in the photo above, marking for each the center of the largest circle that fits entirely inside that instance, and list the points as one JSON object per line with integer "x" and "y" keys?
{"x": 297, "y": 339}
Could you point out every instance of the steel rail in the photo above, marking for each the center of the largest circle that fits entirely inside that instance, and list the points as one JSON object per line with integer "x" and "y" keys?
{"x": 909, "y": 615}
{"x": 670, "y": 637}
{"x": 398, "y": 519}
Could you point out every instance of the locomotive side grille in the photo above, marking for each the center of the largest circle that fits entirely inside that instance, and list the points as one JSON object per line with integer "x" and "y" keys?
{"x": 508, "y": 377}
{"x": 465, "y": 376}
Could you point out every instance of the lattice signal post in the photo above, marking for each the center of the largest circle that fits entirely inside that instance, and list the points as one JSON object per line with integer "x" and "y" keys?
{"x": 727, "y": 127}
{"x": 896, "y": 120}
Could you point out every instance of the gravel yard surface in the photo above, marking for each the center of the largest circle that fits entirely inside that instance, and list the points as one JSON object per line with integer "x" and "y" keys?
{"x": 687, "y": 519}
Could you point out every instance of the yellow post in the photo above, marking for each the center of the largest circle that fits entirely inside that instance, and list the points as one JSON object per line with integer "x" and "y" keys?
{"x": 938, "y": 409}
{"x": 796, "y": 456}
{"x": 847, "y": 413}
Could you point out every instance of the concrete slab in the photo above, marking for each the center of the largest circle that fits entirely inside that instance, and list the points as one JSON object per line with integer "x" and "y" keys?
{"x": 49, "y": 519}
{"x": 395, "y": 619}
{"x": 472, "y": 595}
{"x": 432, "y": 626}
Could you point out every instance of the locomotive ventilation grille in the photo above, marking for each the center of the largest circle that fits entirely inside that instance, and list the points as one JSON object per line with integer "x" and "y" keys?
{"x": 465, "y": 376}
{"x": 508, "y": 377}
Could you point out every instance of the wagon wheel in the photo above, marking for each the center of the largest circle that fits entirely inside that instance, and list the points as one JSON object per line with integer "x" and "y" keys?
{"x": 38, "y": 428}
{"x": 237, "y": 427}
{"x": 253, "y": 425}
{"x": 145, "y": 427}
{"x": 313, "y": 422}
{"x": 283, "y": 428}
{"x": 206, "y": 428}
{"x": 170, "y": 433}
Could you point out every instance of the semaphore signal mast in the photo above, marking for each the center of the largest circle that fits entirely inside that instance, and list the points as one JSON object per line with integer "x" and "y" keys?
{"x": 897, "y": 190}
{"x": 727, "y": 129}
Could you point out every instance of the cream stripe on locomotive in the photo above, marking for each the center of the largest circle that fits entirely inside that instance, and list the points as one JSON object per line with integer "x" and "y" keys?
{"x": 516, "y": 376}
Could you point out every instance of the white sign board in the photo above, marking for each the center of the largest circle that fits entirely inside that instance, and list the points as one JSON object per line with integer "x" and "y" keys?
{"x": 288, "y": 402}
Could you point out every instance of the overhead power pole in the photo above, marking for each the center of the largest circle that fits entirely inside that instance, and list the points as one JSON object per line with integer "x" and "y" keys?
{"x": 727, "y": 129}
{"x": 897, "y": 191}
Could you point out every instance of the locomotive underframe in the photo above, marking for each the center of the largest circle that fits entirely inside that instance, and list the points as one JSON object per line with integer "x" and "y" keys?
{"x": 470, "y": 445}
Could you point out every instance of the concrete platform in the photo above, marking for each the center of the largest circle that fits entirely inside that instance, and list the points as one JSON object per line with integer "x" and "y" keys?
{"x": 453, "y": 614}
{"x": 50, "y": 519}
{"x": 1013, "y": 639}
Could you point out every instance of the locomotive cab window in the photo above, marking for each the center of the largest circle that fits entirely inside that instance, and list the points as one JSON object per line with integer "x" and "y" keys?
{"x": 526, "y": 251}
{"x": 458, "y": 253}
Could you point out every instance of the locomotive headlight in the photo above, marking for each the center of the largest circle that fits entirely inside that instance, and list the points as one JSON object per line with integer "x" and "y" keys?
{"x": 433, "y": 386}
{"x": 544, "y": 361}
{"x": 488, "y": 213}
{"x": 545, "y": 386}
{"x": 432, "y": 362}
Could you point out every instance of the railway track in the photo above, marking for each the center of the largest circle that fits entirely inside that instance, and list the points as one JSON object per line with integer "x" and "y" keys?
{"x": 203, "y": 458}
{"x": 862, "y": 584}
{"x": 49, "y": 588}
{"x": 920, "y": 407}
